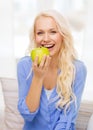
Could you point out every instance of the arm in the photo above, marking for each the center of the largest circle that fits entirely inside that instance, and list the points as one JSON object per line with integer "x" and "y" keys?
{"x": 66, "y": 122}
{"x": 30, "y": 91}
{"x": 34, "y": 94}
{"x": 23, "y": 69}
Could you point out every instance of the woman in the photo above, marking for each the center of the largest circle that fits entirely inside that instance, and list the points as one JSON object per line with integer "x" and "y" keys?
{"x": 49, "y": 99}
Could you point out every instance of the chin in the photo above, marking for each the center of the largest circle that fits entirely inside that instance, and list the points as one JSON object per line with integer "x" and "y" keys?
{"x": 52, "y": 54}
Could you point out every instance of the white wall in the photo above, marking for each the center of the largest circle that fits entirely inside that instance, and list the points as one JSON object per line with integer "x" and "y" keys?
{"x": 88, "y": 51}
{"x": 7, "y": 61}
{"x": 42, "y": 5}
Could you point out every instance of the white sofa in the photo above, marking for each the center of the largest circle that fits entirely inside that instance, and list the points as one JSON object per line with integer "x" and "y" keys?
{"x": 90, "y": 123}
{"x": 12, "y": 119}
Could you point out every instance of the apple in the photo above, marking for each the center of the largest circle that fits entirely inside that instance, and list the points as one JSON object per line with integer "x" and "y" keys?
{"x": 40, "y": 52}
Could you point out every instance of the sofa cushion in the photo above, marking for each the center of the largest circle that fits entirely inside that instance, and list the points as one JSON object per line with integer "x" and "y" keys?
{"x": 12, "y": 118}
{"x": 85, "y": 112}
{"x": 90, "y": 123}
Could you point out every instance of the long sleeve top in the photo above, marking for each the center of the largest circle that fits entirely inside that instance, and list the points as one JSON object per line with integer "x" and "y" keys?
{"x": 48, "y": 116}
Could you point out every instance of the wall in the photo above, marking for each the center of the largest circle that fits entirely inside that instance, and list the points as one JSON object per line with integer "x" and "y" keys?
{"x": 7, "y": 60}
{"x": 88, "y": 51}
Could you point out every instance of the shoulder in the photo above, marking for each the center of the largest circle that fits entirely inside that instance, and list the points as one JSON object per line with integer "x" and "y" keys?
{"x": 80, "y": 71}
{"x": 80, "y": 66}
{"x": 24, "y": 59}
{"x": 24, "y": 63}
{"x": 80, "y": 79}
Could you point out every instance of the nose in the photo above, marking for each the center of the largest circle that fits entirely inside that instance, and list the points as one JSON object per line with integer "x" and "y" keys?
{"x": 46, "y": 37}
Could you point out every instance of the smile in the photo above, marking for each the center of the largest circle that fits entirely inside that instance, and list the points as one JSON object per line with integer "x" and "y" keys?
{"x": 49, "y": 46}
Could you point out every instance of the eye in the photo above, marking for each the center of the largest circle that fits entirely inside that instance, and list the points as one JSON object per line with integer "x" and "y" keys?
{"x": 39, "y": 33}
{"x": 53, "y": 32}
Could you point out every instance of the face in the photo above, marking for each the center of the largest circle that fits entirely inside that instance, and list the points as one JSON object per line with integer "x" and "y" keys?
{"x": 47, "y": 35}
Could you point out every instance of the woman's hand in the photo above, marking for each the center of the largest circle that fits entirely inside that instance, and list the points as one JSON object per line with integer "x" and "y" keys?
{"x": 41, "y": 69}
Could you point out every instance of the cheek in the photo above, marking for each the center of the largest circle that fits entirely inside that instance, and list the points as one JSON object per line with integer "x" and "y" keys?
{"x": 58, "y": 38}
{"x": 58, "y": 47}
{"x": 59, "y": 41}
{"x": 38, "y": 40}
{"x": 59, "y": 44}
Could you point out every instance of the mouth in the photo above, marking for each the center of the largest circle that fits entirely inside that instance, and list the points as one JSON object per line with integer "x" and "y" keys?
{"x": 49, "y": 46}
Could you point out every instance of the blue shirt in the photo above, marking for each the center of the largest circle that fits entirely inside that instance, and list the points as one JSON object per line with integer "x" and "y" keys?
{"x": 47, "y": 116}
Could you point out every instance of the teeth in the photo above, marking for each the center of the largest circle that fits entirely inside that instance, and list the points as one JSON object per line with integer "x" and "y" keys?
{"x": 48, "y": 45}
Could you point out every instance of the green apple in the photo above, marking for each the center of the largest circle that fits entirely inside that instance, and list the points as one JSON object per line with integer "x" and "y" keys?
{"x": 40, "y": 52}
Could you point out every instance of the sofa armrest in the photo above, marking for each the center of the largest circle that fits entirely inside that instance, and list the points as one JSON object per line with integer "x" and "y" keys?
{"x": 85, "y": 112}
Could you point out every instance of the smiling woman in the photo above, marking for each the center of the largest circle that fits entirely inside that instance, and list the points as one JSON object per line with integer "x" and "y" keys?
{"x": 17, "y": 24}
{"x": 60, "y": 72}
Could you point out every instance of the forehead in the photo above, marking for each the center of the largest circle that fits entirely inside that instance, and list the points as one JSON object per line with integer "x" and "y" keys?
{"x": 45, "y": 22}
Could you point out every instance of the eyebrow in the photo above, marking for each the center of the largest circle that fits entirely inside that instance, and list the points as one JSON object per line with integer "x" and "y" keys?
{"x": 49, "y": 29}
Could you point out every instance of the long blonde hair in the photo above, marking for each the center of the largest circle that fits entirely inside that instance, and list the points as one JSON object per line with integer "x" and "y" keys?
{"x": 66, "y": 57}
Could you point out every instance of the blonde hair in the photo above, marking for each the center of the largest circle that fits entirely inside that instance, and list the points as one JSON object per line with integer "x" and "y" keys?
{"x": 66, "y": 57}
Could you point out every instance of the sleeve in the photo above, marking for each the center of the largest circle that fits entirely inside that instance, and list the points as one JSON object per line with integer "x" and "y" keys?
{"x": 67, "y": 121}
{"x": 23, "y": 88}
